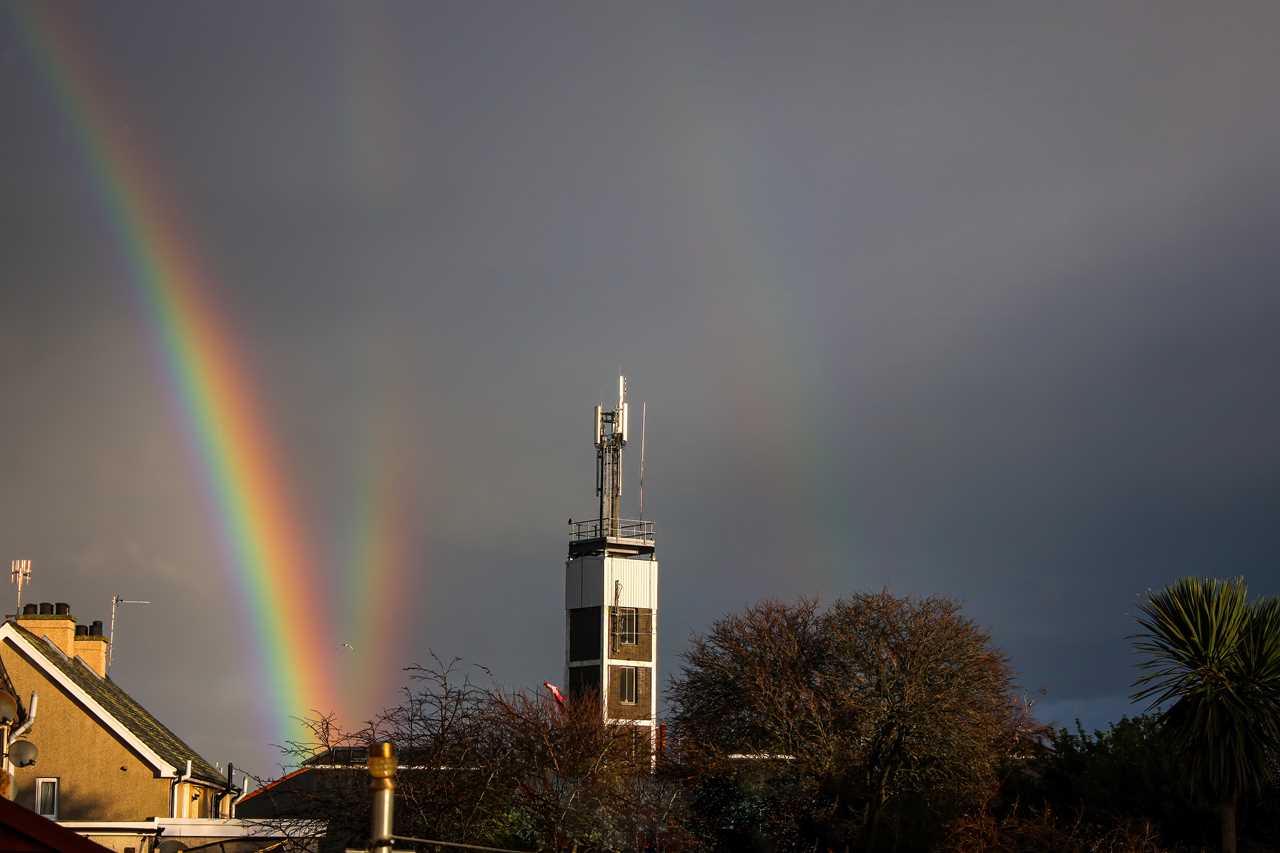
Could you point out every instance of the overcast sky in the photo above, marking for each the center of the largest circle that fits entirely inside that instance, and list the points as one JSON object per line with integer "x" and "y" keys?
{"x": 977, "y": 300}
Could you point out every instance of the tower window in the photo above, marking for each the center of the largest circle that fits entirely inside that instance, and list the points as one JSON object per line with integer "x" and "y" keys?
{"x": 625, "y": 628}
{"x": 627, "y": 685}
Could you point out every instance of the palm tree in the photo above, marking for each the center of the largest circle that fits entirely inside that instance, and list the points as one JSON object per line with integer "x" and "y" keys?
{"x": 1213, "y": 665}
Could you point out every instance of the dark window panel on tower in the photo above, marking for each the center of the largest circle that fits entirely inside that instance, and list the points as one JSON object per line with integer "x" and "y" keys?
{"x": 584, "y": 681}
{"x": 584, "y": 633}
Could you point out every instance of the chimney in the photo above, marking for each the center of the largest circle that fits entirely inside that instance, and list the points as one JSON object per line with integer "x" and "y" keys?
{"x": 53, "y": 621}
{"x": 91, "y": 647}
{"x": 56, "y": 622}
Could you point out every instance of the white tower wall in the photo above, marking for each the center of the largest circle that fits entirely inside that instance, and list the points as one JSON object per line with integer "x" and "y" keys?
{"x": 607, "y": 582}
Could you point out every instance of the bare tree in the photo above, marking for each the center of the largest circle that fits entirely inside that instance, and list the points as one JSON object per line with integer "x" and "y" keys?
{"x": 482, "y": 766}
{"x": 449, "y": 784}
{"x": 584, "y": 783}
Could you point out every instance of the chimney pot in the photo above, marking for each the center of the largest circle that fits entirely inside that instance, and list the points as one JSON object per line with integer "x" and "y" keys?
{"x": 30, "y": 609}
{"x": 62, "y": 608}
{"x": 46, "y": 608}
{"x": 82, "y": 630}
{"x": 96, "y": 628}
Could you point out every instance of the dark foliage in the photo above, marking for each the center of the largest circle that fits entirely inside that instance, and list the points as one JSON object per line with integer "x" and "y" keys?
{"x": 869, "y": 725}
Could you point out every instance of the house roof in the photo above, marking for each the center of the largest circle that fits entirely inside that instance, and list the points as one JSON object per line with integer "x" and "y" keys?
{"x": 122, "y": 707}
{"x": 6, "y": 684}
{"x": 23, "y": 829}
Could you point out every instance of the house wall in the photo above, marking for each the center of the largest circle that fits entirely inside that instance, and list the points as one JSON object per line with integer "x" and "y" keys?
{"x": 99, "y": 778}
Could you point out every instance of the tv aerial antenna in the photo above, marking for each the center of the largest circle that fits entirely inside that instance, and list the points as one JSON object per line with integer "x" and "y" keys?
{"x": 20, "y": 574}
{"x": 116, "y": 601}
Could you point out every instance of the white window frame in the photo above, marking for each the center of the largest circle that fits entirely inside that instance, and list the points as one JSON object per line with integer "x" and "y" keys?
{"x": 626, "y": 673}
{"x": 57, "y": 796}
{"x": 627, "y": 626}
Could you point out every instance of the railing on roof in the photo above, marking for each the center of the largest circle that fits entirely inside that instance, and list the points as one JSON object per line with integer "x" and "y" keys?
{"x": 631, "y": 529}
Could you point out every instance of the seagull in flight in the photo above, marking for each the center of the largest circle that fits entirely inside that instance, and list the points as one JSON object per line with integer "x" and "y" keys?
{"x": 349, "y": 647}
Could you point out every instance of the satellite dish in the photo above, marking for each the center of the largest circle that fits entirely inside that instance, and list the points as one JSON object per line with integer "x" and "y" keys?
{"x": 8, "y": 708}
{"x": 23, "y": 753}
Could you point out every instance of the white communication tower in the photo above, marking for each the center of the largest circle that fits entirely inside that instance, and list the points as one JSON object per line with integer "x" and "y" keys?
{"x": 611, "y": 590}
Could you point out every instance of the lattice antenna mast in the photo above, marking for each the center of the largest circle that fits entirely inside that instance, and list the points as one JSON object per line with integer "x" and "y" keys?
{"x": 611, "y": 437}
{"x": 20, "y": 574}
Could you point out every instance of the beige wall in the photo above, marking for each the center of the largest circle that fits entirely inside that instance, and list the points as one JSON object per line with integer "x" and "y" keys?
{"x": 197, "y": 800}
{"x": 98, "y": 777}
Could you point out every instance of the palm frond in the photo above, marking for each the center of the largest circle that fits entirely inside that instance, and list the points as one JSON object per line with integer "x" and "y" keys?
{"x": 1212, "y": 663}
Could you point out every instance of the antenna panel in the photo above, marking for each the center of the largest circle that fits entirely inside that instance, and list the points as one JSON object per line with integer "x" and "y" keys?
{"x": 626, "y": 407}
{"x": 598, "y": 426}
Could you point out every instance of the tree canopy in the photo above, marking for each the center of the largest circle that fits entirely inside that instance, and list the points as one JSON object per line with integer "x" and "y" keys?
{"x": 872, "y": 711}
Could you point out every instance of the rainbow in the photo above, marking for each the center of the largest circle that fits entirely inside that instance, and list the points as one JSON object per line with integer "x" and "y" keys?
{"x": 210, "y": 376}
{"x": 381, "y": 549}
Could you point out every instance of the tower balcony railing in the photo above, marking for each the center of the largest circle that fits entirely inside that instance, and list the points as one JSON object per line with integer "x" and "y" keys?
{"x": 632, "y": 529}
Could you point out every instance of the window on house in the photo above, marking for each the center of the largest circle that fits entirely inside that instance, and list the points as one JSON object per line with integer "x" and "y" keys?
{"x": 627, "y": 685}
{"x": 625, "y": 629}
{"x": 47, "y": 798}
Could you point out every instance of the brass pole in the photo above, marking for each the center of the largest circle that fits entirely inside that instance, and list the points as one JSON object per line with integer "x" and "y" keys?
{"x": 382, "y": 785}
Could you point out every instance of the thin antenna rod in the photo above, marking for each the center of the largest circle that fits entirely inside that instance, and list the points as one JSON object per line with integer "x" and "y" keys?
{"x": 116, "y": 601}
{"x": 642, "y": 424}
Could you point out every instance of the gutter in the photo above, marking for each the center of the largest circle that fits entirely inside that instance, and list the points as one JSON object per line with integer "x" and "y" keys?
{"x": 173, "y": 789}
{"x": 228, "y": 790}
{"x": 244, "y": 792}
{"x": 31, "y": 718}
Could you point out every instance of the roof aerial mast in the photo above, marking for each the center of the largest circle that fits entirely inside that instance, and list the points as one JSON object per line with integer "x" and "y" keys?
{"x": 116, "y": 601}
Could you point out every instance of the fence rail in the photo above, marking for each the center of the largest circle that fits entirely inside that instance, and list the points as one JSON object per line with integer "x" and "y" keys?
{"x": 620, "y": 528}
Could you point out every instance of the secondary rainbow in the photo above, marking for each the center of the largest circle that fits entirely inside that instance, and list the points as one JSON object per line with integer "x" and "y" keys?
{"x": 383, "y": 547}
{"x": 273, "y": 571}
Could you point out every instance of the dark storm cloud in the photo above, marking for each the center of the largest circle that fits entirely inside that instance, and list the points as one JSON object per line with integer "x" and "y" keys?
{"x": 973, "y": 302}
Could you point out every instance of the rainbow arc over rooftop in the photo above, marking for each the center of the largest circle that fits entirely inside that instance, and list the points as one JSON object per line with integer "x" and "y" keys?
{"x": 274, "y": 571}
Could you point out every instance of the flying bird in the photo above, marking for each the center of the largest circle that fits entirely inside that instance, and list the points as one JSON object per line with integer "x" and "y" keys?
{"x": 349, "y": 646}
